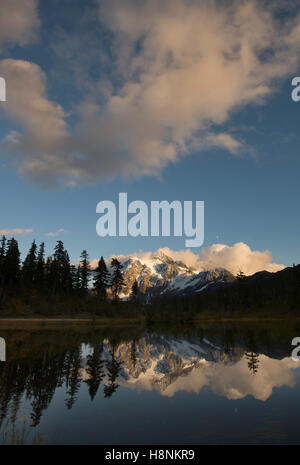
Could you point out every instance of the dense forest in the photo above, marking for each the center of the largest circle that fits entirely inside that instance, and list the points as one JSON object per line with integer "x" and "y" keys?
{"x": 262, "y": 295}
{"x": 49, "y": 286}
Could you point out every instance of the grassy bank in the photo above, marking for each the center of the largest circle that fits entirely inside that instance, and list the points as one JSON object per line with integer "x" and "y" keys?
{"x": 142, "y": 322}
{"x": 70, "y": 310}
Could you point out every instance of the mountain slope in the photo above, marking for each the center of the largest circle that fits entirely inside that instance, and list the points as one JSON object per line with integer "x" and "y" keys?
{"x": 274, "y": 293}
{"x": 160, "y": 275}
{"x": 158, "y": 361}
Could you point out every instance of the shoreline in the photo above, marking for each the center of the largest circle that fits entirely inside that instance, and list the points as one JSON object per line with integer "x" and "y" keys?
{"x": 136, "y": 321}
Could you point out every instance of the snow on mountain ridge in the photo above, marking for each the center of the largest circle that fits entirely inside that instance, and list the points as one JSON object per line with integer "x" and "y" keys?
{"x": 158, "y": 361}
{"x": 159, "y": 274}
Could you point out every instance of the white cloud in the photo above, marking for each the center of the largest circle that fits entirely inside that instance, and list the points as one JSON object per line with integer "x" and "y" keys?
{"x": 232, "y": 258}
{"x": 184, "y": 68}
{"x": 42, "y": 146}
{"x": 230, "y": 381}
{"x": 55, "y": 233}
{"x": 15, "y": 232}
{"x": 19, "y": 21}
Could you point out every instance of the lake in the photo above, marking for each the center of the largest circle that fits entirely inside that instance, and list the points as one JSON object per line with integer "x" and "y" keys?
{"x": 232, "y": 383}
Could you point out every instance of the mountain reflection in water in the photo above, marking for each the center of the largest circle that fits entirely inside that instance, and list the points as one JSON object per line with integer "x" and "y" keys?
{"x": 59, "y": 367}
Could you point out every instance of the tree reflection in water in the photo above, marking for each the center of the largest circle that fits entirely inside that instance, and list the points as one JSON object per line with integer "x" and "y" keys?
{"x": 39, "y": 363}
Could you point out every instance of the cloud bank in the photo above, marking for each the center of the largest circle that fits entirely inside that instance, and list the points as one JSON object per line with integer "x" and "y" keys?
{"x": 15, "y": 232}
{"x": 41, "y": 142}
{"x": 178, "y": 71}
{"x": 232, "y": 258}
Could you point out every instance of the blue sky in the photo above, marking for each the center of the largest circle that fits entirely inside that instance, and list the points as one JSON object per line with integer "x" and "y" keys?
{"x": 95, "y": 63}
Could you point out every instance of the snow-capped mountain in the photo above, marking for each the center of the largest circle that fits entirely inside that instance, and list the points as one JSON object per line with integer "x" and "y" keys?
{"x": 159, "y": 274}
{"x": 187, "y": 362}
{"x": 157, "y": 361}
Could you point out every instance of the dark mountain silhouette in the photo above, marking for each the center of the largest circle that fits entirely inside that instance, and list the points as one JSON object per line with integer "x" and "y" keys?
{"x": 273, "y": 293}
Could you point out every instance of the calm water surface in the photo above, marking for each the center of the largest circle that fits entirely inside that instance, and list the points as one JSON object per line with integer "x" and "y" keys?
{"x": 216, "y": 384}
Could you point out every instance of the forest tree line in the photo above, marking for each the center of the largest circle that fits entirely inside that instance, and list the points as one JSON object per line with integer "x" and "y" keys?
{"x": 54, "y": 286}
{"x": 55, "y": 275}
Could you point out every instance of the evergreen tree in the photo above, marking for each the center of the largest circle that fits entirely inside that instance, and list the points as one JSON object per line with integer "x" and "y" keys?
{"x": 253, "y": 361}
{"x": 242, "y": 289}
{"x": 41, "y": 386}
{"x": 56, "y": 267}
{"x": 101, "y": 278}
{"x": 2, "y": 263}
{"x": 240, "y": 276}
{"x": 133, "y": 353}
{"x": 12, "y": 264}
{"x": 2, "y": 254}
{"x": 95, "y": 369}
{"x": 60, "y": 269}
{"x": 49, "y": 274}
{"x": 134, "y": 291}
{"x": 40, "y": 267}
{"x": 73, "y": 379}
{"x": 85, "y": 271}
{"x": 77, "y": 283}
{"x": 113, "y": 367}
{"x": 66, "y": 275}
{"x": 29, "y": 266}
{"x": 117, "y": 281}
{"x": 73, "y": 278}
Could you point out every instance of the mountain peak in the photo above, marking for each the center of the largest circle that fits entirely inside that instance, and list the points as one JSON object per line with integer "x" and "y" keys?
{"x": 159, "y": 274}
